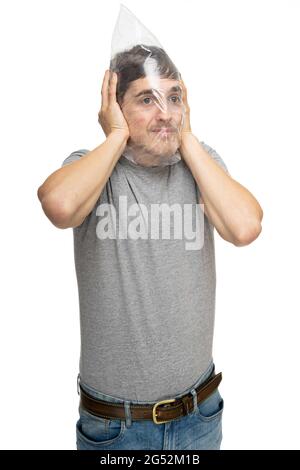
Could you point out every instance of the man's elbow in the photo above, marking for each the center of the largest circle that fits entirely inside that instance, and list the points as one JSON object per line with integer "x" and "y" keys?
{"x": 57, "y": 210}
{"x": 248, "y": 234}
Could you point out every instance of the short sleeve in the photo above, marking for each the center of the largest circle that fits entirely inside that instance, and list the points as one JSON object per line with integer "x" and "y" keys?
{"x": 74, "y": 156}
{"x": 215, "y": 156}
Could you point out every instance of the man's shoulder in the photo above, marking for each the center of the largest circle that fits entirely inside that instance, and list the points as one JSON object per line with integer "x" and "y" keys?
{"x": 74, "y": 156}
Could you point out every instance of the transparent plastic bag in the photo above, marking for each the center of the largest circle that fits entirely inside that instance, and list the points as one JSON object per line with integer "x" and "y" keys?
{"x": 148, "y": 92}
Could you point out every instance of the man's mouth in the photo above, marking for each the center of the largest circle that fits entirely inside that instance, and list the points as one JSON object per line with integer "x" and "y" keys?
{"x": 166, "y": 130}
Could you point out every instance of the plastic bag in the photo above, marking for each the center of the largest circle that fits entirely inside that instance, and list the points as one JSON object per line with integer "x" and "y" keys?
{"x": 148, "y": 92}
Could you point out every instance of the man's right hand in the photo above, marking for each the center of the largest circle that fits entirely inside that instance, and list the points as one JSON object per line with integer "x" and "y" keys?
{"x": 65, "y": 207}
{"x": 110, "y": 115}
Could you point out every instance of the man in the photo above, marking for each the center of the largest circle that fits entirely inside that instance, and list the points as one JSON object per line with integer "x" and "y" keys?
{"x": 147, "y": 303}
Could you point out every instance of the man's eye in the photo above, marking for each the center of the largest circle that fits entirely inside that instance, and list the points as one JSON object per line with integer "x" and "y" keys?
{"x": 177, "y": 99}
{"x": 148, "y": 98}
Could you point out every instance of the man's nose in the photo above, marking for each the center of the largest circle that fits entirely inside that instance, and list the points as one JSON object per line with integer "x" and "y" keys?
{"x": 163, "y": 112}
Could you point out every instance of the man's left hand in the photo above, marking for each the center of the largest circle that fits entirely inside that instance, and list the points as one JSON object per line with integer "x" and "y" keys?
{"x": 186, "y": 128}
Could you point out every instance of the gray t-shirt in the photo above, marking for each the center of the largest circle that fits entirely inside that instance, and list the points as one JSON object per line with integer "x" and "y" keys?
{"x": 147, "y": 306}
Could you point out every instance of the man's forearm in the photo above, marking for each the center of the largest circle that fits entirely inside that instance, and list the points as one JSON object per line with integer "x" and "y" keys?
{"x": 230, "y": 207}
{"x": 69, "y": 194}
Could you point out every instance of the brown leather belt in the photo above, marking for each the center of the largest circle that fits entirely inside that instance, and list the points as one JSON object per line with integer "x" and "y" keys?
{"x": 160, "y": 412}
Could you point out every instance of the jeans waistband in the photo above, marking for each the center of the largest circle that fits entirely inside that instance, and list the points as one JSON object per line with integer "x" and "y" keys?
{"x": 102, "y": 396}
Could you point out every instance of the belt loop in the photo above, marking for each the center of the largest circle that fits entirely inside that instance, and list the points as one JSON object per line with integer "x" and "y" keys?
{"x": 127, "y": 413}
{"x": 193, "y": 392}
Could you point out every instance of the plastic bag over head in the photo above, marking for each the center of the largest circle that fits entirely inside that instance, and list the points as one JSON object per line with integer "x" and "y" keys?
{"x": 148, "y": 91}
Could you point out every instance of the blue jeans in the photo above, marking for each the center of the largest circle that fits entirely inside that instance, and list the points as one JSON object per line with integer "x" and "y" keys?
{"x": 200, "y": 429}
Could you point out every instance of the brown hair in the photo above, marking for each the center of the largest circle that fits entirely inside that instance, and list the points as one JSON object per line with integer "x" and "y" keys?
{"x": 129, "y": 65}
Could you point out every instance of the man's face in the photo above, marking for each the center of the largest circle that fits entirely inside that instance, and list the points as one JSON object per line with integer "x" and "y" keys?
{"x": 154, "y": 111}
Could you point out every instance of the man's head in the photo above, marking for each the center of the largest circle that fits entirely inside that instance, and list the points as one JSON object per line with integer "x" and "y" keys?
{"x": 150, "y": 96}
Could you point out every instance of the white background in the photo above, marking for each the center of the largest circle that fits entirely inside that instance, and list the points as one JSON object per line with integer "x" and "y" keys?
{"x": 240, "y": 63}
